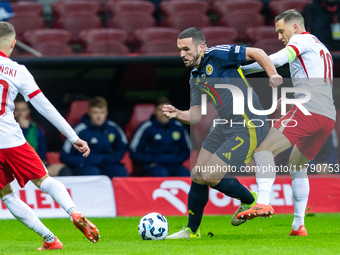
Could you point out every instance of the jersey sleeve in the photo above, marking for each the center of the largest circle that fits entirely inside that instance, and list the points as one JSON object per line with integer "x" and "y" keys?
{"x": 299, "y": 44}
{"x": 195, "y": 96}
{"x": 28, "y": 87}
{"x": 230, "y": 54}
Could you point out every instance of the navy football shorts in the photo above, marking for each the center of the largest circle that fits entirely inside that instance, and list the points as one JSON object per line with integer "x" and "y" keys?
{"x": 235, "y": 146}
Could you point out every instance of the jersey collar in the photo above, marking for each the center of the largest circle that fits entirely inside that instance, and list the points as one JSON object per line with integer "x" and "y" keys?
{"x": 305, "y": 33}
{"x": 3, "y": 54}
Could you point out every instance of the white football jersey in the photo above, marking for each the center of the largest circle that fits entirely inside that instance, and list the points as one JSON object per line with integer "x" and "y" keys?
{"x": 14, "y": 78}
{"x": 312, "y": 70}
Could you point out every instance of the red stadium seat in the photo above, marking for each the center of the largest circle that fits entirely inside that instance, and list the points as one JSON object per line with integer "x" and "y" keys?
{"x": 140, "y": 113}
{"x": 155, "y": 33}
{"x": 202, "y": 129}
{"x": 52, "y": 157}
{"x": 219, "y": 35}
{"x": 76, "y": 111}
{"x": 159, "y": 47}
{"x": 75, "y": 22}
{"x": 23, "y": 22}
{"x": 131, "y": 21}
{"x": 242, "y": 20}
{"x": 279, "y": 6}
{"x": 93, "y": 36}
{"x": 185, "y": 19}
{"x": 54, "y": 49}
{"x": 131, "y": 5}
{"x": 27, "y": 7}
{"x": 225, "y": 7}
{"x": 264, "y": 32}
{"x": 47, "y": 35}
{"x": 127, "y": 162}
{"x": 108, "y": 48}
{"x": 171, "y": 7}
{"x": 61, "y": 8}
{"x": 270, "y": 45}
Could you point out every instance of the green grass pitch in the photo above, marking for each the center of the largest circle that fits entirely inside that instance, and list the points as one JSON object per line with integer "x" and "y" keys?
{"x": 120, "y": 236}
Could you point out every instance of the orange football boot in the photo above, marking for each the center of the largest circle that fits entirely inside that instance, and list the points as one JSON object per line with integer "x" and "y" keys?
{"x": 86, "y": 226}
{"x": 300, "y": 232}
{"x": 56, "y": 245}
{"x": 258, "y": 210}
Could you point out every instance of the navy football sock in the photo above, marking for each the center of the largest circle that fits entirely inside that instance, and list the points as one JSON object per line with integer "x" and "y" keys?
{"x": 197, "y": 199}
{"x": 231, "y": 187}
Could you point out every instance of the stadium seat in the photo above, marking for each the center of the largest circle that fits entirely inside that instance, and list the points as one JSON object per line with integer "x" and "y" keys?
{"x": 270, "y": 45}
{"x": 108, "y": 48}
{"x": 55, "y": 49}
{"x": 76, "y": 111}
{"x": 47, "y": 35}
{"x": 202, "y": 129}
{"x": 171, "y": 7}
{"x": 242, "y": 20}
{"x": 52, "y": 157}
{"x": 23, "y": 22}
{"x": 75, "y": 22}
{"x": 219, "y": 35}
{"x": 127, "y": 162}
{"x": 131, "y": 21}
{"x": 263, "y": 32}
{"x": 61, "y": 8}
{"x": 160, "y": 47}
{"x": 140, "y": 113}
{"x": 27, "y": 7}
{"x": 185, "y": 19}
{"x": 131, "y": 5}
{"x": 224, "y": 7}
{"x": 279, "y": 6}
{"x": 191, "y": 161}
{"x": 155, "y": 33}
{"x": 93, "y": 36}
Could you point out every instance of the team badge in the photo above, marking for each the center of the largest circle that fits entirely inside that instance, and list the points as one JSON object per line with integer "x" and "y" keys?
{"x": 176, "y": 135}
{"x": 209, "y": 69}
{"x": 111, "y": 137}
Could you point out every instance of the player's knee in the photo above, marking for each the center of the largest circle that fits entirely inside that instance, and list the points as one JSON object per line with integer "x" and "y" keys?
{"x": 210, "y": 180}
{"x": 6, "y": 190}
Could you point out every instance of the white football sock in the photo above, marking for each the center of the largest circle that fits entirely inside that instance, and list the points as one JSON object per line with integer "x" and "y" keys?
{"x": 300, "y": 189}
{"x": 59, "y": 193}
{"x": 265, "y": 175}
{"x": 26, "y": 216}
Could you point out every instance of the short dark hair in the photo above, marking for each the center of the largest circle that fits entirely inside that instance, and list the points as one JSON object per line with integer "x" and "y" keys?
{"x": 161, "y": 100}
{"x": 98, "y": 101}
{"x": 6, "y": 29}
{"x": 195, "y": 33}
{"x": 19, "y": 98}
{"x": 290, "y": 15}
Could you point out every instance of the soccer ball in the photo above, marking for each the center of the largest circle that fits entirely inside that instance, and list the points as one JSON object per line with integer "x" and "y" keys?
{"x": 153, "y": 226}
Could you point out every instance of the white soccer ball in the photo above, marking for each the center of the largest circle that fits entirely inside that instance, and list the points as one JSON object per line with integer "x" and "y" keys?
{"x": 153, "y": 226}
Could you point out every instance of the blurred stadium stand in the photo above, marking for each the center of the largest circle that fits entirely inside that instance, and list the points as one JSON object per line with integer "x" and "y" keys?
{"x": 135, "y": 79}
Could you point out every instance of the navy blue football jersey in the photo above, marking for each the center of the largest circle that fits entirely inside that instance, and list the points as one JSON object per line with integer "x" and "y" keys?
{"x": 221, "y": 65}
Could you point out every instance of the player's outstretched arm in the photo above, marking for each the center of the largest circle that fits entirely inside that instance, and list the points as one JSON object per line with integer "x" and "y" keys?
{"x": 279, "y": 58}
{"x": 82, "y": 146}
{"x": 45, "y": 108}
{"x": 265, "y": 62}
{"x": 191, "y": 116}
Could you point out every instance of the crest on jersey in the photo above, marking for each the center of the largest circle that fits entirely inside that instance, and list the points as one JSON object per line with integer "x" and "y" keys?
{"x": 176, "y": 135}
{"x": 209, "y": 69}
{"x": 111, "y": 137}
